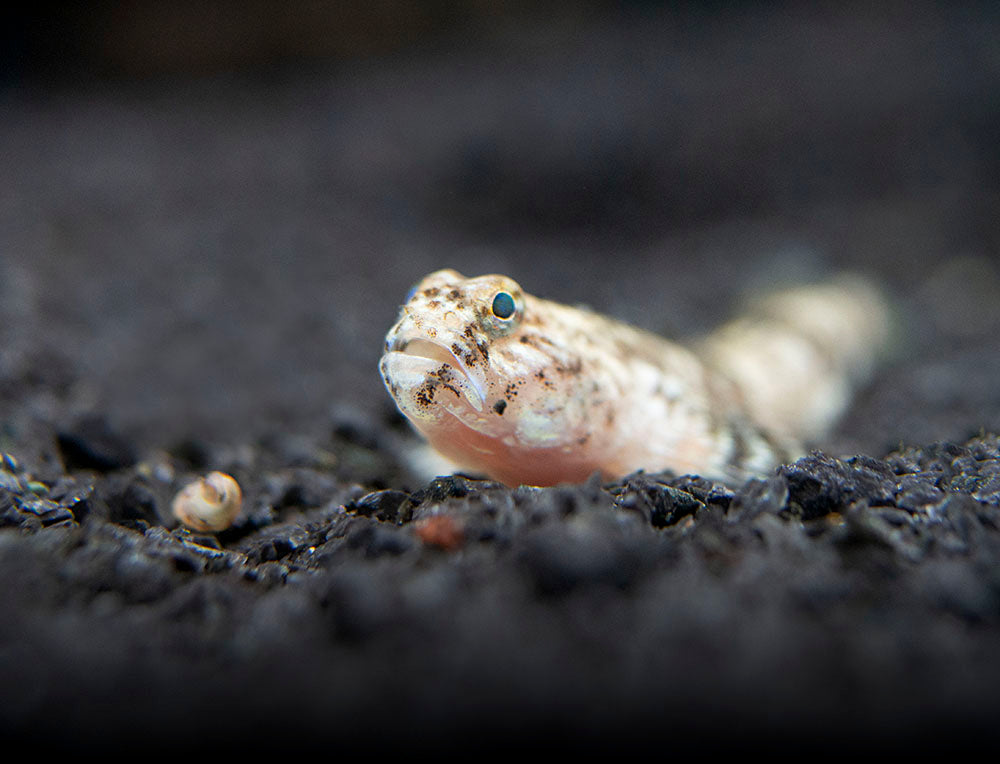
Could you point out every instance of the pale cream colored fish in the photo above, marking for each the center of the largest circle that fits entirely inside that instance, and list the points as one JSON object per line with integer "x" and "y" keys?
{"x": 525, "y": 390}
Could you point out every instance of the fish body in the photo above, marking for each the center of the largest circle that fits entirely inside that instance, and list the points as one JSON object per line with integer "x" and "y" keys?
{"x": 527, "y": 390}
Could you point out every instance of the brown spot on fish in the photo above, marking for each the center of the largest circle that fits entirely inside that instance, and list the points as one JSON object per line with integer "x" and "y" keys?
{"x": 443, "y": 373}
{"x": 425, "y": 395}
{"x": 573, "y": 368}
{"x": 499, "y": 406}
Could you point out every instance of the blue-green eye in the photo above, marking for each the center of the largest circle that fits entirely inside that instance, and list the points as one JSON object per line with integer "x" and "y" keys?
{"x": 503, "y": 305}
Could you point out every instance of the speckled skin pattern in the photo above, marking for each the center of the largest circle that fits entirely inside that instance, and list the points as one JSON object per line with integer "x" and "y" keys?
{"x": 553, "y": 393}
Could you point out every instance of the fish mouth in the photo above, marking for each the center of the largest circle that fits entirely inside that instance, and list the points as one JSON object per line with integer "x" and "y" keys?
{"x": 426, "y": 349}
{"x": 425, "y": 356}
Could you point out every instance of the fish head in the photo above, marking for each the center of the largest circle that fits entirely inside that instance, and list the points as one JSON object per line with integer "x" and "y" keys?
{"x": 469, "y": 364}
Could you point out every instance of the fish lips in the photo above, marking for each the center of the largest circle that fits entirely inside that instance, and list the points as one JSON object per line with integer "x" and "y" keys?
{"x": 409, "y": 364}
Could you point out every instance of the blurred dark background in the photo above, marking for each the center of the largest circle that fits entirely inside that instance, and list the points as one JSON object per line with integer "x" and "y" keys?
{"x": 209, "y": 211}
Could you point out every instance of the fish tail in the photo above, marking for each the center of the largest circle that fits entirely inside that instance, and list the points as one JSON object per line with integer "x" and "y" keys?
{"x": 798, "y": 354}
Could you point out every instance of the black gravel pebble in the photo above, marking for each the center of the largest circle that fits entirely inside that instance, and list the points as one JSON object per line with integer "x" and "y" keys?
{"x": 388, "y": 506}
{"x": 91, "y": 444}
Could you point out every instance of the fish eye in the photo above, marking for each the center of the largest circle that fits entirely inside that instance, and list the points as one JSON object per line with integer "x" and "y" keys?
{"x": 503, "y": 305}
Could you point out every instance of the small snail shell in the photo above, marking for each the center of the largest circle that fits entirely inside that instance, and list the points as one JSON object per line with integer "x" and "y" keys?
{"x": 210, "y": 503}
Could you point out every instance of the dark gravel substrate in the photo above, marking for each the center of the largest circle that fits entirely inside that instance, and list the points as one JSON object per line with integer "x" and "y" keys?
{"x": 845, "y": 599}
{"x": 196, "y": 274}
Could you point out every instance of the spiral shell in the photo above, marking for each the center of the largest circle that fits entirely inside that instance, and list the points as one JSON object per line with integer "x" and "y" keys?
{"x": 210, "y": 503}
